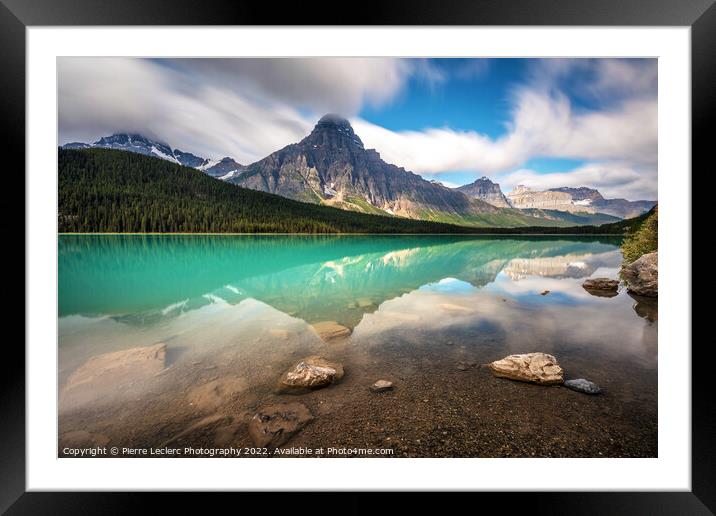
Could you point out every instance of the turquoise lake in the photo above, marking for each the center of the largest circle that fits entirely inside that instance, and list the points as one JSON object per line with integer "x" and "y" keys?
{"x": 235, "y": 311}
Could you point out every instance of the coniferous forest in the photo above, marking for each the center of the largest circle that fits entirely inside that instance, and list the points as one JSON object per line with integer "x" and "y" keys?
{"x": 113, "y": 191}
{"x": 106, "y": 191}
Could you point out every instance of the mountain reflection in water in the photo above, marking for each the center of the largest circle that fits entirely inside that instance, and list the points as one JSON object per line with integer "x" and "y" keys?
{"x": 242, "y": 309}
{"x": 313, "y": 278}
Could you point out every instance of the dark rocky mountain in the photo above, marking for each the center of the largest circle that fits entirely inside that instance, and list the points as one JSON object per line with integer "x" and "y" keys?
{"x": 189, "y": 160}
{"x": 487, "y": 191}
{"x": 331, "y": 166}
{"x": 223, "y": 169}
{"x": 76, "y": 145}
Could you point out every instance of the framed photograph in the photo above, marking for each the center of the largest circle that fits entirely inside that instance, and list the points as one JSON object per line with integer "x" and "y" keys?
{"x": 418, "y": 251}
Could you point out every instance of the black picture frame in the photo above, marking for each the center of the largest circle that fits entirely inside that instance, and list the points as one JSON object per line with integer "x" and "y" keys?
{"x": 17, "y": 15}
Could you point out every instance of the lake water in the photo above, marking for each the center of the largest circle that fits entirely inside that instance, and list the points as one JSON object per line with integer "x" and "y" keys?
{"x": 235, "y": 312}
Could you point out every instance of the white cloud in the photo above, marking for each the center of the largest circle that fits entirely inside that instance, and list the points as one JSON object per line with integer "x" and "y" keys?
{"x": 611, "y": 179}
{"x": 543, "y": 125}
{"x": 248, "y": 108}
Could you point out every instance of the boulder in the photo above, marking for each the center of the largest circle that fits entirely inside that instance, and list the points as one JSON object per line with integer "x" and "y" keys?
{"x": 111, "y": 376}
{"x": 601, "y": 287}
{"x": 381, "y": 386}
{"x": 538, "y": 368}
{"x": 275, "y": 424}
{"x": 310, "y": 373}
{"x": 582, "y": 385}
{"x": 544, "y": 292}
{"x": 331, "y": 330}
{"x": 642, "y": 275}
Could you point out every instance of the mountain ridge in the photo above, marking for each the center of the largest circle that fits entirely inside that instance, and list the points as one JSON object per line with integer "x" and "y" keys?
{"x": 576, "y": 200}
{"x": 133, "y": 142}
{"x": 108, "y": 191}
{"x": 331, "y": 166}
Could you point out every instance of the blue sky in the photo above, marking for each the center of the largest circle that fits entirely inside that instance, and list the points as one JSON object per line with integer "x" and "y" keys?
{"x": 539, "y": 122}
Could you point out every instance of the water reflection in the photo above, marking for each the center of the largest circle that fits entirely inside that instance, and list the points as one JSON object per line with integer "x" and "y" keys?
{"x": 143, "y": 279}
{"x": 236, "y": 311}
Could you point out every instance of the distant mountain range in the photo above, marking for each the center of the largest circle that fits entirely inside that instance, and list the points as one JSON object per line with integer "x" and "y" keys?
{"x": 486, "y": 190}
{"x": 224, "y": 168}
{"x": 331, "y": 167}
{"x": 580, "y": 200}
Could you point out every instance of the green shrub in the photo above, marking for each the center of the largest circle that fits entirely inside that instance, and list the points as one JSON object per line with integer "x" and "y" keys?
{"x": 644, "y": 240}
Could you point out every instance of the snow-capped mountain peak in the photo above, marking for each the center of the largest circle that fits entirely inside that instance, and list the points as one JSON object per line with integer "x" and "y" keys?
{"x": 226, "y": 168}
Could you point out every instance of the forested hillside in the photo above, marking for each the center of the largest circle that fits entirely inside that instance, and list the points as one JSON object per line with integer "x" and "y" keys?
{"x": 108, "y": 191}
{"x": 102, "y": 190}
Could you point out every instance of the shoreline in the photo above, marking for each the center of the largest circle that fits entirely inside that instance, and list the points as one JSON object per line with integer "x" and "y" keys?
{"x": 356, "y": 234}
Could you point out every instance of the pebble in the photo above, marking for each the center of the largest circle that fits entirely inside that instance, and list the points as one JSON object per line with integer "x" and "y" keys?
{"x": 381, "y": 386}
{"x": 582, "y": 385}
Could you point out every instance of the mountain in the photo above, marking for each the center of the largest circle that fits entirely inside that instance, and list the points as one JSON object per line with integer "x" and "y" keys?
{"x": 331, "y": 166}
{"x": 223, "y": 169}
{"x": 108, "y": 190}
{"x": 576, "y": 200}
{"x": 487, "y": 191}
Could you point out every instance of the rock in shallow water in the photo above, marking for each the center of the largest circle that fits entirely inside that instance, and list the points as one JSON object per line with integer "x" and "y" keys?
{"x": 211, "y": 395}
{"x": 331, "y": 330}
{"x": 582, "y": 385}
{"x": 601, "y": 287}
{"x": 539, "y": 368}
{"x": 381, "y": 386}
{"x": 642, "y": 275}
{"x": 275, "y": 424}
{"x": 311, "y": 373}
{"x": 111, "y": 376}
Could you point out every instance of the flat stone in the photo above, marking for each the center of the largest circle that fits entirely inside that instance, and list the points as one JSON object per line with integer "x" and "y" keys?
{"x": 601, "y": 287}
{"x": 311, "y": 373}
{"x": 582, "y": 385}
{"x": 275, "y": 424}
{"x": 112, "y": 376}
{"x": 381, "y": 386}
{"x": 539, "y": 368}
{"x": 331, "y": 330}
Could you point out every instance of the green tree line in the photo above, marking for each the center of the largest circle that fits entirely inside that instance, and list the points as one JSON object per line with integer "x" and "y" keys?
{"x": 113, "y": 191}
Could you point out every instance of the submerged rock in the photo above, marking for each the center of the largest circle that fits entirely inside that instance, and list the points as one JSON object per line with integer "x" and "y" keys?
{"x": 331, "y": 330}
{"x": 211, "y": 395}
{"x": 112, "y": 375}
{"x": 601, "y": 287}
{"x": 311, "y": 373}
{"x": 582, "y": 385}
{"x": 275, "y": 424}
{"x": 381, "y": 386}
{"x": 538, "y": 368}
{"x": 642, "y": 275}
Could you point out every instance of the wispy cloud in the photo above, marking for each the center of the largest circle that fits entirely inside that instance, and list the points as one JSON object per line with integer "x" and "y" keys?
{"x": 248, "y": 108}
